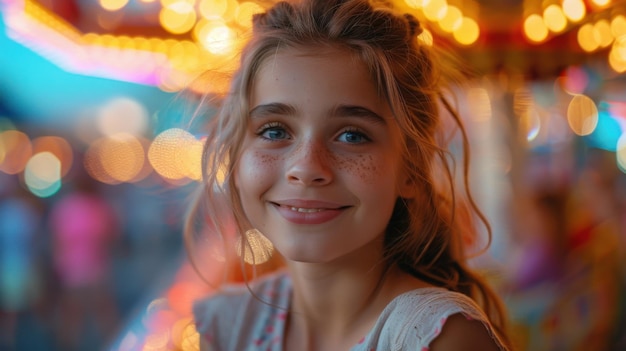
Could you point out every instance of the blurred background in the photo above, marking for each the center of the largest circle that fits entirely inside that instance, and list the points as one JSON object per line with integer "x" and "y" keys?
{"x": 99, "y": 158}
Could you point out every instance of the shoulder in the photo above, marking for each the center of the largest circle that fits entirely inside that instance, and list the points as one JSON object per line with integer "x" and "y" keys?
{"x": 460, "y": 333}
{"x": 419, "y": 317}
{"x": 432, "y": 305}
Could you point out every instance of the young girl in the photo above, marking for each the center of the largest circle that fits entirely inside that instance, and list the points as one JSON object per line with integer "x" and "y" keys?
{"x": 331, "y": 140}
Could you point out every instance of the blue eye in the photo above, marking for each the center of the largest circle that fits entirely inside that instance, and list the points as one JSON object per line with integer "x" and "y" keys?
{"x": 353, "y": 137}
{"x": 273, "y": 132}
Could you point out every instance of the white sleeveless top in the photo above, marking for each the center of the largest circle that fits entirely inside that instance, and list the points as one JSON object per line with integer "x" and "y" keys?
{"x": 234, "y": 320}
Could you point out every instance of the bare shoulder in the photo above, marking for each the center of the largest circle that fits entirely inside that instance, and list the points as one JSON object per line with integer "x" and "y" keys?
{"x": 460, "y": 334}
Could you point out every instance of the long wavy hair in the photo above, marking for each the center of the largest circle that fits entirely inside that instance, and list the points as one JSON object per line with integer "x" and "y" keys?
{"x": 425, "y": 234}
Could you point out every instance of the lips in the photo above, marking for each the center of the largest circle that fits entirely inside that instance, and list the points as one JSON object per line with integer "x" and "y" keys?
{"x": 308, "y": 211}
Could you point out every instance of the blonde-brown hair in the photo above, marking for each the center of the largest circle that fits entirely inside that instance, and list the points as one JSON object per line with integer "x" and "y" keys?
{"x": 424, "y": 236}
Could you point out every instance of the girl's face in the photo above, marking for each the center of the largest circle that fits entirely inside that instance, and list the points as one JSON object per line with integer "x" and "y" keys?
{"x": 320, "y": 166}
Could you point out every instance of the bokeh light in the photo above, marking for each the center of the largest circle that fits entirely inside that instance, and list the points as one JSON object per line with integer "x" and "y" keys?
{"x": 57, "y": 146}
{"x": 603, "y": 34}
{"x": 42, "y": 174}
{"x": 122, "y": 156}
{"x": 554, "y": 18}
{"x": 535, "y": 29}
{"x": 257, "y": 250}
{"x": 582, "y": 115}
{"x": 452, "y": 20}
{"x": 435, "y": 10}
{"x": 175, "y": 154}
{"x": 15, "y": 150}
{"x": 574, "y": 10}
{"x": 468, "y": 32}
{"x": 113, "y": 5}
{"x": 122, "y": 115}
{"x": 618, "y": 26}
{"x": 178, "y": 16}
{"x": 212, "y": 9}
{"x": 245, "y": 11}
{"x": 588, "y": 38}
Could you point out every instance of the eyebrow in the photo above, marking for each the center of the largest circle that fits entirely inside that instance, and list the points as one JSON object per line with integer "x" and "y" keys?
{"x": 358, "y": 111}
{"x": 274, "y": 108}
{"x": 278, "y": 108}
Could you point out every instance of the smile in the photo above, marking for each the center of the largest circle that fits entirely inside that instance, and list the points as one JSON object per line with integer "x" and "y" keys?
{"x": 309, "y": 212}
{"x": 306, "y": 210}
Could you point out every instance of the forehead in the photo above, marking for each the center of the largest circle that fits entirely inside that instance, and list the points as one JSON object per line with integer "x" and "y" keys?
{"x": 323, "y": 71}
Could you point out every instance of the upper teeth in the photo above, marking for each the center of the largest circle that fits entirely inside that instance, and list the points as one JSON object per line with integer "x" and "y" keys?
{"x": 307, "y": 210}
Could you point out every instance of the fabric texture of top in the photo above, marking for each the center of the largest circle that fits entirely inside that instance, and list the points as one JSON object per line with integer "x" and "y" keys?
{"x": 235, "y": 320}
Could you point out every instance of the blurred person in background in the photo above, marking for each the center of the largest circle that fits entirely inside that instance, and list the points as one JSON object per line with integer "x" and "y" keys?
{"x": 21, "y": 283}
{"x": 566, "y": 274}
{"x": 85, "y": 229}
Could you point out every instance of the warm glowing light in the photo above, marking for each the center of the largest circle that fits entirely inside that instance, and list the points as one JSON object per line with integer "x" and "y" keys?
{"x": 617, "y": 55}
{"x": 618, "y": 26}
{"x": 535, "y": 29}
{"x": 190, "y": 338}
{"x": 42, "y": 174}
{"x": 588, "y": 38}
{"x": 416, "y": 4}
{"x": 59, "y": 147}
{"x": 219, "y": 40}
{"x": 113, "y": 5}
{"x": 176, "y": 154}
{"x": 574, "y": 10}
{"x": 601, "y": 2}
{"x": 92, "y": 163}
{"x": 212, "y": 9}
{"x": 184, "y": 55}
{"x": 426, "y": 38}
{"x": 582, "y": 115}
{"x": 245, "y": 11}
{"x": 602, "y": 31}
{"x": 178, "y": 330}
{"x": 15, "y": 150}
{"x": 178, "y": 17}
{"x": 468, "y": 32}
{"x": 122, "y": 115}
{"x": 554, "y": 18}
{"x": 147, "y": 169}
{"x": 122, "y": 156}
{"x": 257, "y": 248}
{"x": 435, "y": 10}
{"x": 452, "y": 20}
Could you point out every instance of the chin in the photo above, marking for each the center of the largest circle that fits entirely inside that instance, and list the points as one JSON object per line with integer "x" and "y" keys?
{"x": 306, "y": 256}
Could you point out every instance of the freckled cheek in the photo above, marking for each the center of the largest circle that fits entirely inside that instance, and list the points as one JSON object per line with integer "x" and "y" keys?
{"x": 368, "y": 169}
{"x": 256, "y": 170}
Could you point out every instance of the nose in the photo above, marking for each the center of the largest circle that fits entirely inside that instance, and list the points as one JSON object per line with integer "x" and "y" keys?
{"x": 310, "y": 164}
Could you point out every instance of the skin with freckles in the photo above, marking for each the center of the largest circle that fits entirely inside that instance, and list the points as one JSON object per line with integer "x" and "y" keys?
{"x": 319, "y": 169}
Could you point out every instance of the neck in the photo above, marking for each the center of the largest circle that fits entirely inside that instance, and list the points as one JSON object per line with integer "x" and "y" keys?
{"x": 334, "y": 309}
{"x": 336, "y": 304}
